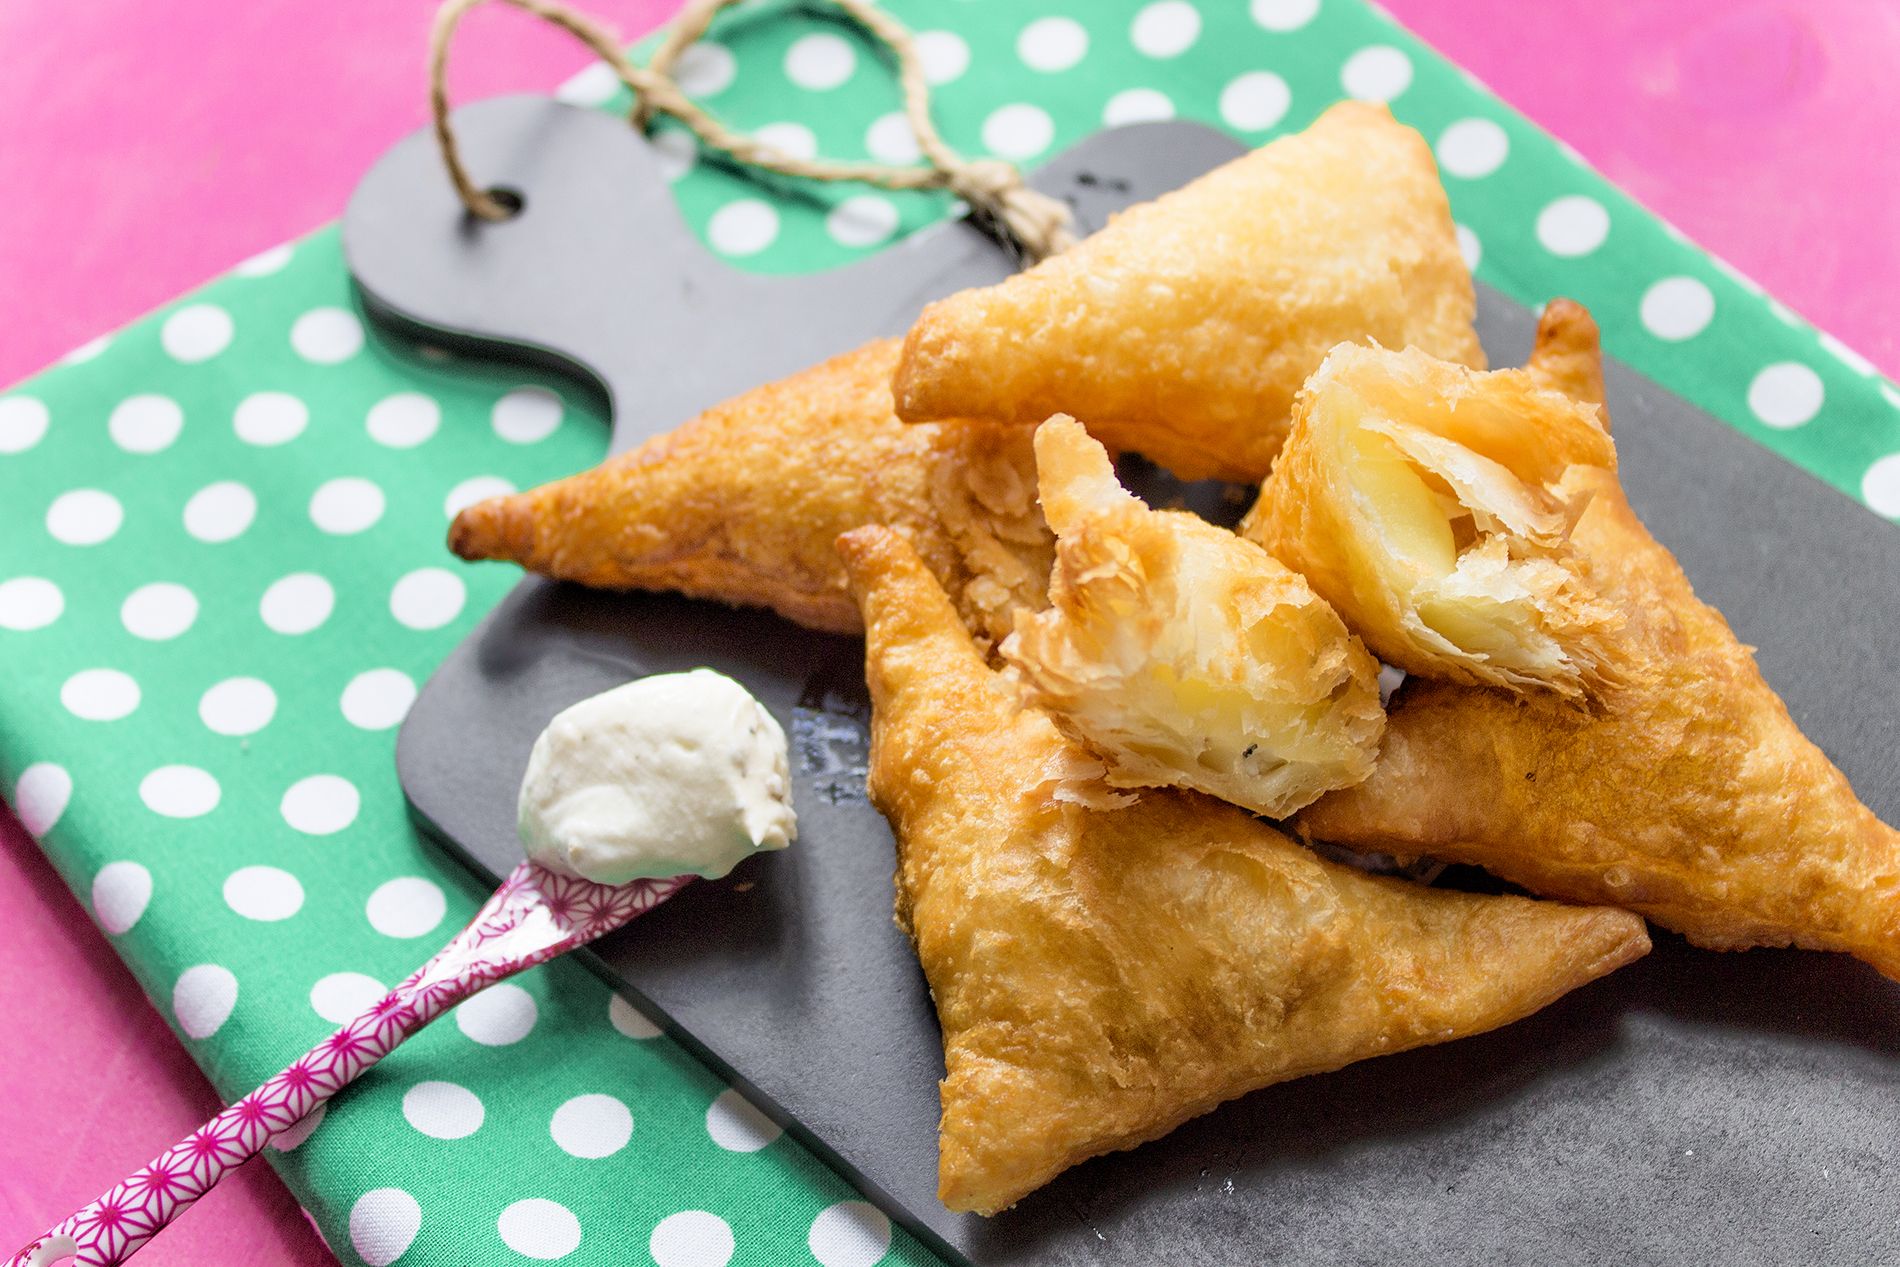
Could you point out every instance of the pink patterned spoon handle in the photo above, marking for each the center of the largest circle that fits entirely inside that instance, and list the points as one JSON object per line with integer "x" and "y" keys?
{"x": 534, "y": 916}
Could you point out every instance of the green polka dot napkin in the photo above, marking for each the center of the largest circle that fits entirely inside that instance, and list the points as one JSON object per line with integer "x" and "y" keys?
{"x": 222, "y": 577}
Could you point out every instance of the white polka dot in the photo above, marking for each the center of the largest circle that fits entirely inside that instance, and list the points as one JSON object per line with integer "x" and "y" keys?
{"x": 1137, "y": 105}
{"x": 1052, "y": 44}
{"x": 378, "y": 698}
{"x": 321, "y": 805}
{"x": 691, "y": 1238}
{"x": 890, "y": 140}
{"x": 1471, "y": 148}
{"x": 792, "y": 140}
{"x": 675, "y": 152}
{"x": 1378, "y": 73}
{"x": 1255, "y": 101}
{"x": 219, "y": 512}
{"x": 1573, "y": 225}
{"x": 346, "y": 506}
{"x": 591, "y": 1126}
{"x": 266, "y": 894}
{"x": 84, "y": 517}
{"x": 1468, "y": 246}
{"x": 196, "y": 332}
{"x": 297, "y": 603}
{"x": 820, "y": 61}
{"x": 593, "y": 86}
{"x": 1880, "y": 486}
{"x": 849, "y": 1234}
{"x": 292, "y": 1137}
{"x": 1283, "y": 15}
{"x": 29, "y": 602}
{"x": 326, "y": 336}
{"x": 500, "y": 1015}
{"x": 87, "y": 351}
{"x": 626, "y": 1018}
{"x": 203, "y": 998}
{"x": 383, "y": 1224}
{"x": 443, "y": 1110}
{"x": 862, "y": 220}
{"x": 120, "y": 893}
{"x": 269, "y": 418}
{"x": 704, "y": 69}
{"x": 40, "y": 796}
{"x": 1846, "y": 356}
{"x": 539, "y": 1228}
{"x": 1786, "y": 394}
{"x": 1018, "y": 131}
{"x": 737, "y": 1126}
{"x": 477, "y": 489}
{"x": 264, "y": 263}
{"x": 100, "y": 694}
{"x": 158, "y": 611}
{"x": 408, "y": 906}
{"x": 428, "y": 598}
{"x": 23, "y": 421}
{"x": 944, "y": 54}
{"x": 1167, "y": 28}
{"x": 744, "y": 226}
{"x": 238, "y": 706}
{"x": 404, "y": 420}
{"x": 145, "y": 423}
{"x": 341, "y": 997}
{"x": 526, "y": 415}
{"x": 1677, "y": 308}
{"x": 180, "y": 791}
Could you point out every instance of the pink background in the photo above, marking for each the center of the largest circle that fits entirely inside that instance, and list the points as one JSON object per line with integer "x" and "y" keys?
{"x": 150, "y": 146}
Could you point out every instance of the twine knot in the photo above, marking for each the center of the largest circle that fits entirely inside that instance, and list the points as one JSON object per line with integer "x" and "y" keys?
{"x": 1038, "y": 225}
{"x": 1033, "y": 223}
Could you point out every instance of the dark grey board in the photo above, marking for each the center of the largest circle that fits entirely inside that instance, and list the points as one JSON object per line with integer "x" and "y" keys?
{"x": 1692, "y": 1108}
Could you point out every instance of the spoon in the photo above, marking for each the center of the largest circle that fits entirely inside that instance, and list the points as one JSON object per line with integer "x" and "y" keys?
{"x": 534, "y": 916}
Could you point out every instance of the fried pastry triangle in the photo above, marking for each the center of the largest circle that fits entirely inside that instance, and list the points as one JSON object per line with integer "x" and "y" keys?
{"x": 1104, "y": 974}
{"x": 1688, "y": 795}
{"x": 744, "y": 502}
{"x": 1183, "y": 655}
{"x": 1183, "y": 329}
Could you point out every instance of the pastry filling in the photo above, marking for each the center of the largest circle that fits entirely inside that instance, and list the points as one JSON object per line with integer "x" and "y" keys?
{"x": 1469, "y": 534}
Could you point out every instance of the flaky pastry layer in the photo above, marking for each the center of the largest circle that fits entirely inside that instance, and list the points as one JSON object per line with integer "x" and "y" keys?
{"x": 1425, "y": 501}
{"x": 1183, "y": 655}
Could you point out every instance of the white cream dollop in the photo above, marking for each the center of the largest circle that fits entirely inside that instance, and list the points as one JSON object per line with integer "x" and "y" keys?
{"x": 675, "y": 774}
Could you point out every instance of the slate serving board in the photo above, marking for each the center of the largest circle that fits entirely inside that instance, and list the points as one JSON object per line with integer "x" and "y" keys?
{"x": 1695, "y": 1107}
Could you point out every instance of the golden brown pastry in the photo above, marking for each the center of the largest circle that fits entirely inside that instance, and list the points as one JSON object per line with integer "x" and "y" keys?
{"x": 1184, "y": 656}
{"x": 1104, "y": 974}
{"x": 1183, "y": 329}
{"x": 743, "y": 503}
{"x": 1425, "y": 501}
{"x": 1689, "y": 795}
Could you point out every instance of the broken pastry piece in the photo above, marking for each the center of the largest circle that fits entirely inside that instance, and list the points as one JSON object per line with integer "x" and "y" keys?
{"x": 1184, "y": 656}
{"x": 1102, "y": 975}
{"x": 1425, "y": 501}
{"x": 742, "y": 504}
{"x": 1688, "y": 795}
{"x": 1184, "y": 328}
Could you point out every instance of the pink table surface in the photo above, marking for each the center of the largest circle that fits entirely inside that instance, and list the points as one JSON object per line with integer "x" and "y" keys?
{"x": 149, "y": 146}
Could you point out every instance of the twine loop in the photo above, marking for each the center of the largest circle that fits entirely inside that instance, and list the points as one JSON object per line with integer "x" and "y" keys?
{"x": 1033, "y": 223}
